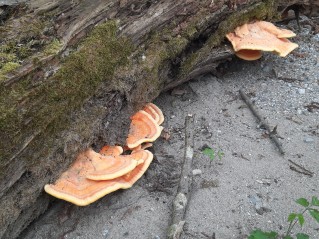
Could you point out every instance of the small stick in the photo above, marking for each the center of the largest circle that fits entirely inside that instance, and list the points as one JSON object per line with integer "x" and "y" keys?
{"x": 300, "y": 169}
{"x": 262, "y": 121}
{"x": 185, "y": 185}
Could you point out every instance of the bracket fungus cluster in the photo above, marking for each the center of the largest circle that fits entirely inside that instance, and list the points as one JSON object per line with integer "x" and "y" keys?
{"x": 93, "y": 175}
{"x": 250, "y": 39}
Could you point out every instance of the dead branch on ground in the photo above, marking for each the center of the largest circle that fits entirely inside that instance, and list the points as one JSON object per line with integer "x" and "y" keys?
{"x": 185, "y": 185}
{"x": 272, "y": 134}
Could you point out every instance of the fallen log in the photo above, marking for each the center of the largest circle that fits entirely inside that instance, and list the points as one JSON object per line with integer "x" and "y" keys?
{"x": 72, "y": 71}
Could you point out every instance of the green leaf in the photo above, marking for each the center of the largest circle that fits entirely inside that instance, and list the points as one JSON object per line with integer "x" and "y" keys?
{"x": 292, "y": 217}
{"x": 314, "y": 201}
{"x": 302, "y": 236}
{"x": 288, "y": 237}
{"x": 259, "y": 234}
{"x": 315, "y": 214}
{"x": 220, "y": 154}
{"x": 210, "y": 153}
{"x": 301, "y": 219}
{"x": 303, "y": 202}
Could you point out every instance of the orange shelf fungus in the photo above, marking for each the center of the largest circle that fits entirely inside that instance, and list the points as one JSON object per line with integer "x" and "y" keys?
{"x": 109, "y": 167}
{"x": 143, "y": 129}
{"x": 249, "y": 55}
{"x": 73, "y": 186}
{"x": 250, "y": 38}
{"x": 93, "y": 175}
{"x": 148, "y": 109}
{"x": 137, "y": 173}
{"x": 111, "y": 150}
{"x": 142, "y": 146}
{"x": 105, "y": 170}
{"x": 140, "y": 155}
{"x": 155, "y": 112}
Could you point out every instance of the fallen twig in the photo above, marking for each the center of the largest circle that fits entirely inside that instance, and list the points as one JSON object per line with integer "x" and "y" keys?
{"x": 300, "y": 169}
{"x": 185, "y": 185}
{"x": 262, "y": 121}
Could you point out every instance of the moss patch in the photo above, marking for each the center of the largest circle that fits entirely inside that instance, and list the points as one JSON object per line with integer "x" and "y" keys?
{"x": 22, "y": 36}
{"x": 53, "y": 48}
{"x": 34, "y": 105}
{"x": 7, "y": 68}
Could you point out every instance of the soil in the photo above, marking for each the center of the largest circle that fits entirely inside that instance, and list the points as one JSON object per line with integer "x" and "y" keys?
{"x": 250, "y": 186}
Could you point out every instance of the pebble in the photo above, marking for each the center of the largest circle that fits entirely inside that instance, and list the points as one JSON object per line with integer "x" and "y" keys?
{"x": 267, "y": 69}
{"x": 308, "y": 140}
{"x": 316, "y": 37}
{"x": 105, "y": 233}
{"x": 301, "y": 91}
{"x": 197, "y": 172}
{"x": 256, "y": 201}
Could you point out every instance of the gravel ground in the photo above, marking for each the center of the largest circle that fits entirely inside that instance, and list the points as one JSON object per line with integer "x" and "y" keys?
{"x": 251, "y": 186}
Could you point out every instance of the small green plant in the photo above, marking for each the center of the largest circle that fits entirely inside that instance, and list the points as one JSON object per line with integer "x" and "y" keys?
{"x": 211, "y": 153}
{"x": 293, "y": 219}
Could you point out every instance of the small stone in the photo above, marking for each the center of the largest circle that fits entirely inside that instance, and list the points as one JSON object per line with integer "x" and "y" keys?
{"x": 308, "y": 140}
{"x": 256, "y": 201}
{"x": 105, "y": 233}
{"x": 157, "y": 237}
{"x": 197, "y": 172}
{"x": 301, "y": 91}
{"x": 316, "y": 37}
{"x": 268, "y": 69}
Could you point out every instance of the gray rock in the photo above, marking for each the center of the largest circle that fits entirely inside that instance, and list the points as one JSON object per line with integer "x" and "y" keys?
{"x": 308, "y": 140}
{"x": 105, "y": 233}
{"x": 316, "y": 37}
{"x": 197, "y": 172}
{"x": 256, "y": 201}
{"x": 301, "y": 91}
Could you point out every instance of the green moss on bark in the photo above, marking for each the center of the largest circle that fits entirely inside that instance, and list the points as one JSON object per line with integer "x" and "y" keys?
{"x": 31, "y": 104}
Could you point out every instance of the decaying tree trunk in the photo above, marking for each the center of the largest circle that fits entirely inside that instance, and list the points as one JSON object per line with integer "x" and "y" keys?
{"x": 68, "y": 69}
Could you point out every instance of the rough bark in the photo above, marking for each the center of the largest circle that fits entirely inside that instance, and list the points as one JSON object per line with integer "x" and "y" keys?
{"x": 75, "y": 87}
